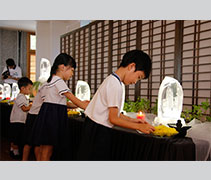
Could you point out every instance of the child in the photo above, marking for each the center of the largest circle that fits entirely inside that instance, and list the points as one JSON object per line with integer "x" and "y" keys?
{"x": 18, "y": 116}
{"x": 103, "y": 111}
{"x": 50, "y": 128}
{"x": 31, "y": 116}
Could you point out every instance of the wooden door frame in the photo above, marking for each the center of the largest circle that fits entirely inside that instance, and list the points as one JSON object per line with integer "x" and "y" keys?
{"x": 29, "y": 52}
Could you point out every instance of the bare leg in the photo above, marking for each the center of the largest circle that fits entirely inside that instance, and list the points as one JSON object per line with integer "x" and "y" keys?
{"x": 26, "y": 151}
{"x": 37, "y": 152}
{"x": 46, "y": 152}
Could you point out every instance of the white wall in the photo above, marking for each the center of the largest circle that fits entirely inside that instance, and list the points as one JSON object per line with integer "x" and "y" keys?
{"x": 48, "y": 39}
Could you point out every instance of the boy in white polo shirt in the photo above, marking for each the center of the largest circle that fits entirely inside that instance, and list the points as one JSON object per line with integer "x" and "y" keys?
{"x": 18, "y": 116}
{"x": 103, "y": 111}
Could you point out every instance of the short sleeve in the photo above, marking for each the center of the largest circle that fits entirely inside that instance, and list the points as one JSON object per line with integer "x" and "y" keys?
{"x": 62, "y": 87}
{"x": 21, "y": 100}
{"x": 113, "y": 94}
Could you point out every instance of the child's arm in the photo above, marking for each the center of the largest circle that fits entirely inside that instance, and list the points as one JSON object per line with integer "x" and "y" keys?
{"x": 114, "y": 119}
{"x": 132, "y": 119}
{"x": 26, "y": 108}
{"x": 11, "y": 77}
{"x": 76, "y": 101}
{"x": 71, "y": 105}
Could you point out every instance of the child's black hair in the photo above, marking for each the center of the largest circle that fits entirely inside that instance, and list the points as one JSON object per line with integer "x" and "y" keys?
{"x": 140, "y": 58}
{"x": 10, "y": 62}
{"x": 62, "y": 58}
{"x": 23, "y": 82}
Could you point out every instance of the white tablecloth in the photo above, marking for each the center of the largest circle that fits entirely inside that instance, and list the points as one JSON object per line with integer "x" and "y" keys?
{"x": 201, "y": 135}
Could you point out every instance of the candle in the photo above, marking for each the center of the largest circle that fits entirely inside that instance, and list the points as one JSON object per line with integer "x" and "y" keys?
{"x": 140, "y": 115}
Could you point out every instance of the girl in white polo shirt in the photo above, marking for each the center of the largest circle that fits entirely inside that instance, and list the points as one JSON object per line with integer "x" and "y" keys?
{"x": 103, "y": 111}
{"x": 50, "y": 127}
{"x": 31, "y": 117}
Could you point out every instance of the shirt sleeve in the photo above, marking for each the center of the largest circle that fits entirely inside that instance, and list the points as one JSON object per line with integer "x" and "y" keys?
{"x": 113, "y": 95}
{"x": 21, "y": 100}
{"x": 62, "y": 87}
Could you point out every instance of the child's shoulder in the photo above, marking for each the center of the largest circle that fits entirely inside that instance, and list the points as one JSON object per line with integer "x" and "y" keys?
{"x": 112, "y": 79}
{"x": 55, "y": 79}
{"x": 20, "y": 96}
{"x": 111, "y": 82}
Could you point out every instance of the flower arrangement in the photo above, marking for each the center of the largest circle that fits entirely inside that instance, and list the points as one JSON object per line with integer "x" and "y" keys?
{"x": 72, "y": 113}
{"x": 162, "y": 130}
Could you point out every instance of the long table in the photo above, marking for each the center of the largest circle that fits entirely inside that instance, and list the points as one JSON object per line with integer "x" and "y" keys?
{"x": 131, "y": 145}
{"x": 126, "y": 144}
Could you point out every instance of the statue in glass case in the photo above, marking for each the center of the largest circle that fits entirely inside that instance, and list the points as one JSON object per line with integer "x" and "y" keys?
{"x": 45, "y": 69}
{"x": 170, "y": 101}
{"x": 7, "y": 91}
{"x": 83, "y": 91}
{"x": 15, "y": 90}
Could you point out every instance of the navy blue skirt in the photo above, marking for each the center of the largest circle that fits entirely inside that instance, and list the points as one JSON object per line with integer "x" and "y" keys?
{"x": 95, "y": 142}
{"x": 50, "y": 127}
{"x": 28, "y": 128}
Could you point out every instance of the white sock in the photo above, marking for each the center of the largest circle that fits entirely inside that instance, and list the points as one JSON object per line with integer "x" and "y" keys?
{"x": 16, "y": 152}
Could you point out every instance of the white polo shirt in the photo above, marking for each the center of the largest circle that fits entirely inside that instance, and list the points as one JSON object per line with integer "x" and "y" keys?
{"x": 54, "y": 91}
{"x": 17, "y": 73}
{"x": 38, "y": 100}
{"x": 109, "y": 94}
{"x": 17, "y": 114}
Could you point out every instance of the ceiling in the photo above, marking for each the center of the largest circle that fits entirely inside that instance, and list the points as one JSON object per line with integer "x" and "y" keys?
{"x": 24, "y": 25}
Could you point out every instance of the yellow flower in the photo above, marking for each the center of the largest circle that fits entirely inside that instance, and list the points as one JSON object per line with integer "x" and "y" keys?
{"x": 72, "y": 112}
{"x": 162, "y": 130}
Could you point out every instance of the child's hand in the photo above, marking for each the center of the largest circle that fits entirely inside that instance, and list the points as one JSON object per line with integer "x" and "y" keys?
{"x": 139, "y": 120}
{"x": 145, "y": 128}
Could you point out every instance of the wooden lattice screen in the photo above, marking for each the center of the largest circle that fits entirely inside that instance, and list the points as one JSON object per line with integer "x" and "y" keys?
{"x": 180, "y": 49}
